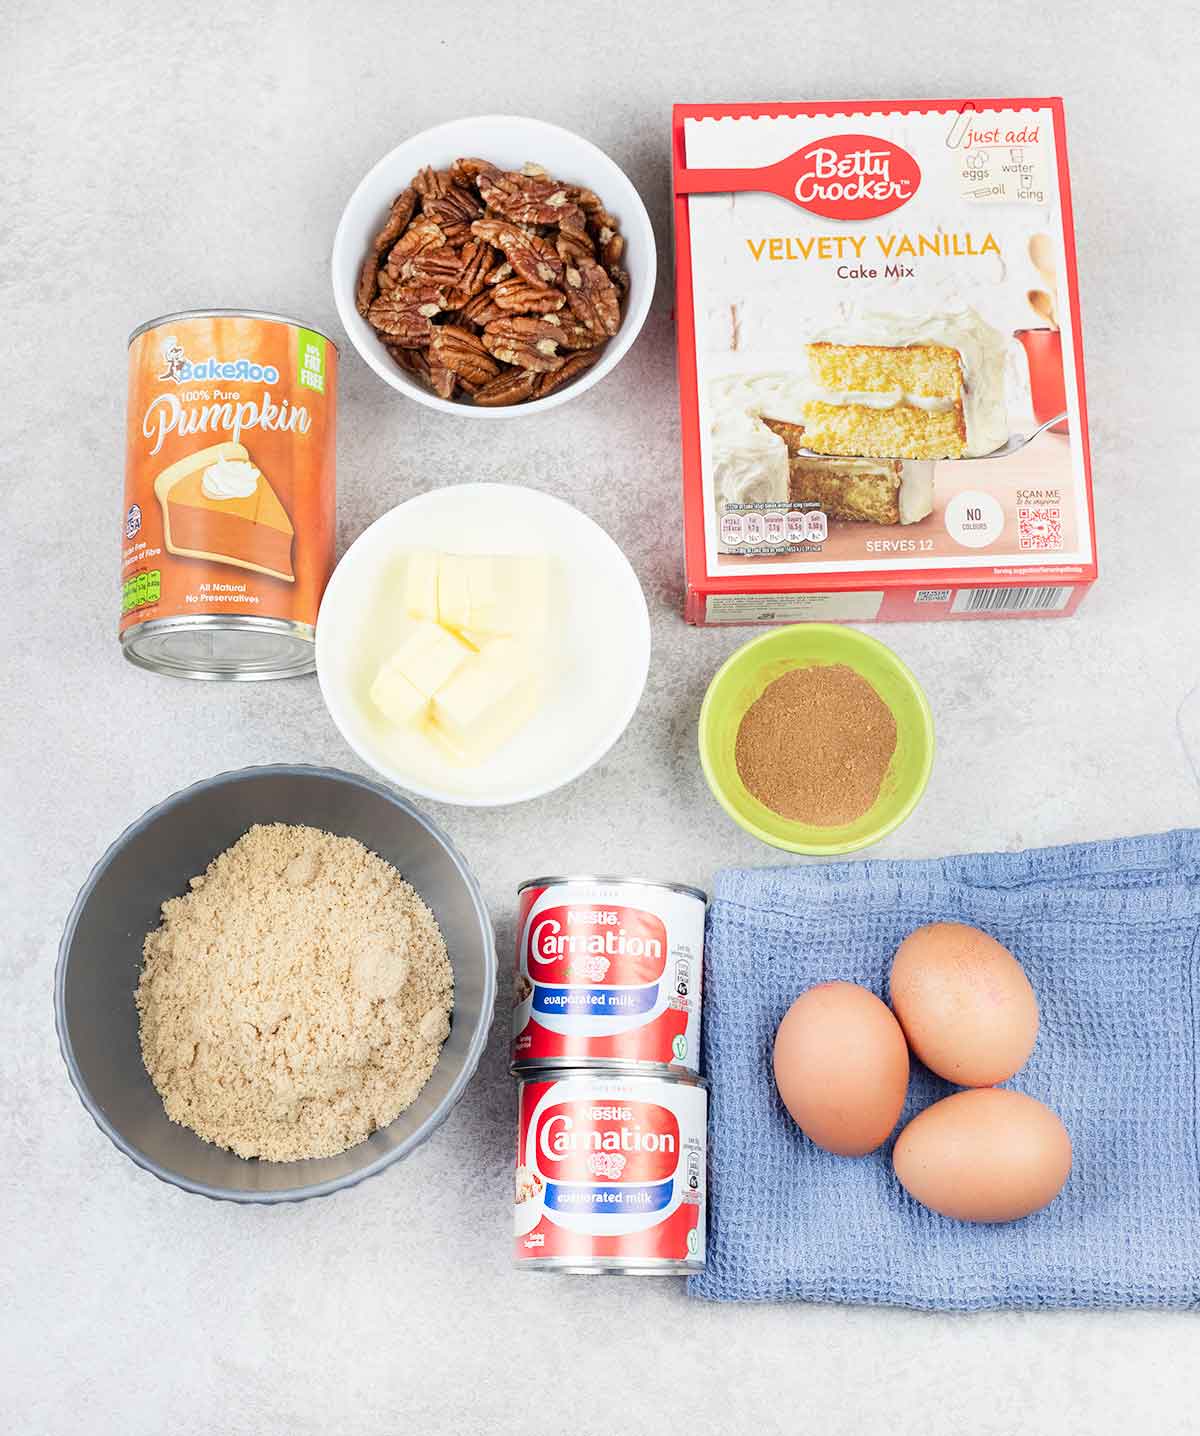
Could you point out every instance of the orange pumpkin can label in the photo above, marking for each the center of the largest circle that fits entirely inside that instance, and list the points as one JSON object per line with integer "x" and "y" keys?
{"x": 229, "y": 471}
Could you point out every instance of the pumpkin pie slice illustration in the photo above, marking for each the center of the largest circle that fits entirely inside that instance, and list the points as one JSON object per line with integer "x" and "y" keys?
{"x": 218, "y": 506}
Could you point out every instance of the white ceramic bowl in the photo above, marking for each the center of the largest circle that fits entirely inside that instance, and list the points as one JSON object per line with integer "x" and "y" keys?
{"x": 508, "y": 141}
{"x": 597, "y": 664}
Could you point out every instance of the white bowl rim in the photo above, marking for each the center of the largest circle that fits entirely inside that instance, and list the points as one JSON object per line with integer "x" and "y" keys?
{"x": 594, "y": 755}
{"x": 301, "y": 1193}
{"x": 618, "y": 346}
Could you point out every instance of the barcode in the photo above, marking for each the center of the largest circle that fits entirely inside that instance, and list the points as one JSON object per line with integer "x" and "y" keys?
{"x": 1009, "y": 600}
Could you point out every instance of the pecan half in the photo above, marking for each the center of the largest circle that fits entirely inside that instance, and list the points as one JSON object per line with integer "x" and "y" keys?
{"x": 398, "y": 217}
{"x": 454, "y": 211}
{"x": 442, "y": 380}
{"x": 573, "y": 245}
{"x": 432, "y": 184}
{"x": 599, "y": 220}
{"x": 587, "y": 199}
{"x": 512, "y": 387}
{"x": 612, "y": 250}
{"x": 368, "y": 284}
{"x": 414, "y": 361}
{"x": 465, "y": 171}
{"x": 533, "y": 257}
{"x": 494, "y": 231}
{"x": 481, "y": 309}
{"x": 574, "y": 335}
{"x": 592, "y": 298}
{"x": 459, "y": 350}
{"x": 525, "y": 199}
{"x": 403, "y": 314}
{"x": 476, "y": 263}
{"x": 525, "y": 342}
{"x": 518, "y": 296}
{"x": 571, "y": 217}
{"x": 556, "y": 378}
{"x": 440, "y": 264}
{"x": 420, "y": 235}
{"x": 402, "y": 210}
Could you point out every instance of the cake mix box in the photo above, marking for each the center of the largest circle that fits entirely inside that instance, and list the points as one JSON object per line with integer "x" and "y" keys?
{"x": 877, "y": 313}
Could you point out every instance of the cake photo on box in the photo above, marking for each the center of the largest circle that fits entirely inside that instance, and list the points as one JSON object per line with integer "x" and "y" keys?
{"x": 903, "y": 387}
{"x": 218, "y": 506}
{"x": 758, "y": 438}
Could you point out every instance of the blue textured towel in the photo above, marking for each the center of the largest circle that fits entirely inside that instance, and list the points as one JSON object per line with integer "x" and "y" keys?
{"x": 1107, "y": 933}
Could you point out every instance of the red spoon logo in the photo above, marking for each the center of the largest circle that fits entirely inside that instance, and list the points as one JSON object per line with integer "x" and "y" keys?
{"x": 845, "y": 177}
{"x": 855, "y": 177}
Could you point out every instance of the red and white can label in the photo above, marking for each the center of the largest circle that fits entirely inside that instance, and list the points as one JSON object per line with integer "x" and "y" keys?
{"x": 611, "y": 1169}
{"x": 608, "y": 971}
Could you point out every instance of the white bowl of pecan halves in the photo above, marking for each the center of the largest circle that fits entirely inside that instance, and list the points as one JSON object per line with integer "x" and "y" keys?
{"x": 493, "y": 266}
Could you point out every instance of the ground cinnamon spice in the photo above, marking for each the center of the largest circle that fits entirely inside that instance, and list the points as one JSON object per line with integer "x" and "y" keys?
{"x": 815, "y": 745}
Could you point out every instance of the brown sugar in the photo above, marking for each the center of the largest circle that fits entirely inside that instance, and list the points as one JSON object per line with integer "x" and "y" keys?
{"x": 295, "y": 998}
{"x": 816, "y": 744}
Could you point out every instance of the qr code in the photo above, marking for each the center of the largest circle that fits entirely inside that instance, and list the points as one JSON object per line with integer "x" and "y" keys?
{"x": 1039, "y": 527}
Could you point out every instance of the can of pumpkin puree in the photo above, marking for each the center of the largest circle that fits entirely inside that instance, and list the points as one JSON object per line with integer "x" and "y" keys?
{"x": 228, "y": 527}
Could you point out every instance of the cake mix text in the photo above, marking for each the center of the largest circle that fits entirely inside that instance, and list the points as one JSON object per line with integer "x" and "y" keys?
{"x": 790, "y": 247}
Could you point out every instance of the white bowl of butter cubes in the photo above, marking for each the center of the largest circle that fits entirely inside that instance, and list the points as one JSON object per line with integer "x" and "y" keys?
{"x": 483, "y": 644}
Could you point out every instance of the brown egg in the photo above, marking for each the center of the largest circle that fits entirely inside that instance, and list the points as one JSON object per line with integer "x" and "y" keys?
{"x": 964, "y": 1003}
{"x": 841, "y": 1067}
{"x": 984, "y": 1156}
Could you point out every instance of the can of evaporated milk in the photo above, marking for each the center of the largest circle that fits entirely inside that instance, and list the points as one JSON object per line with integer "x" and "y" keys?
{"x": 228, "y": 524}
{"x": 608, "y": 974}
{"x": 611, "y": 1173}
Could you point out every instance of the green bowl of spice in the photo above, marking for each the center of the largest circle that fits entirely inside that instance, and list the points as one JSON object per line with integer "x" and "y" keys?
{"x": 816, "y": 739}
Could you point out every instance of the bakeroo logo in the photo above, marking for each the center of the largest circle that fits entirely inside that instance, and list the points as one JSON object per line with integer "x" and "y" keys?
{"x": 854, "y": 177}
{"x": 178, "y": 368}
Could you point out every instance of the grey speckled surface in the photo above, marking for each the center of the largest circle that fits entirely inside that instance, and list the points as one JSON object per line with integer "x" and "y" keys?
{"x": 161, "y": 157}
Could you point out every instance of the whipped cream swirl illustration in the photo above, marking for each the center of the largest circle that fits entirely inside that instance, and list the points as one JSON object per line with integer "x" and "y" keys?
{"x": 229, "y": 479}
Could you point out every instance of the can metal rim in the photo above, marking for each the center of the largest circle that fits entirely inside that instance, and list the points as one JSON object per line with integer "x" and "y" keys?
{"x": 568, "y": 1266}
{"x": 603, "y": 1066}
{"x": 229, "y": 314}
{"x": 607, "y": 1074}
{"x": 153, "y": 627}
{"x": 684, "y": 888}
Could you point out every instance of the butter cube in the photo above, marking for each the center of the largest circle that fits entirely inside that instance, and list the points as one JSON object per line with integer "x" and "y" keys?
{"x": 494, "y": 595}
{"x": 421, "y": 587}
{"x": 396, "y": 698}
{"x": 489, "y": 698}
{"x": 427, "y": 659}
{"x": 510, "y": 595}
{"x": 453, "y": 591}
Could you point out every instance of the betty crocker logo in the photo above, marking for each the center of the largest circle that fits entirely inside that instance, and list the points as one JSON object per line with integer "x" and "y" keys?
{"x": 854, "y": 177}
{"x": 623, "y": 1141}
{"x": 597, "y": 946}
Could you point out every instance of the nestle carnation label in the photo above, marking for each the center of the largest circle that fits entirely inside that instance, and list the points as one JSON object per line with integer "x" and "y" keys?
{"x": 608, "y": 971}
{"x": 869, "y": 396}
{"x": 611, "y": 1171}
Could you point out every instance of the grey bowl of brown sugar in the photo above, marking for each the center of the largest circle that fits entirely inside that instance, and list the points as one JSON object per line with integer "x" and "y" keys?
{"x": 100, "y": 959}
